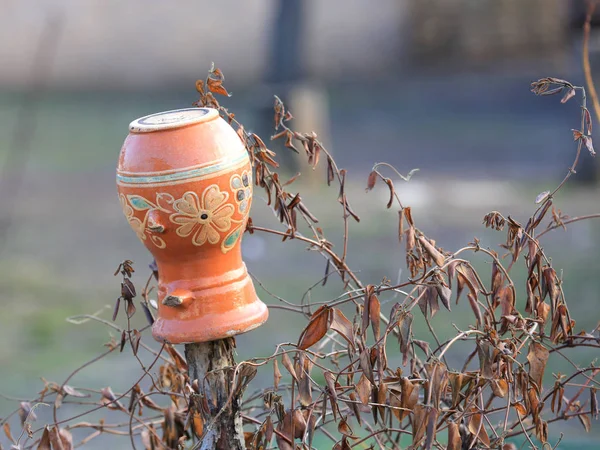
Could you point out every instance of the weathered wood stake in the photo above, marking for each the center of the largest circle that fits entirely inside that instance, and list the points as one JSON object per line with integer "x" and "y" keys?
{"x": 211, "y": 363}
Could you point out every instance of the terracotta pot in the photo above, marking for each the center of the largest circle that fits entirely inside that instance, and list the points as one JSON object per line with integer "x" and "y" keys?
{"x": 185, "y": 185}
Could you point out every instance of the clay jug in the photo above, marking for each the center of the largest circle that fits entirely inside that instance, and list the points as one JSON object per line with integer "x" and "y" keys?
{"x": 185, "y": 184}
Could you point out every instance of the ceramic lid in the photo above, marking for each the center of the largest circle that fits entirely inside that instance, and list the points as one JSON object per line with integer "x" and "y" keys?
{"x": 172, "y": 119}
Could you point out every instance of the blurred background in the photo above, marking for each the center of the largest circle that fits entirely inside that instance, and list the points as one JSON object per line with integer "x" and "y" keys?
{"x": 439, "y": 85}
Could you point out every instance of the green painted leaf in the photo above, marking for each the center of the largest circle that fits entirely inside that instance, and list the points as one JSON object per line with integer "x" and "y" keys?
{"x": 139, "y": 203}
{"x": 230, "y": 241}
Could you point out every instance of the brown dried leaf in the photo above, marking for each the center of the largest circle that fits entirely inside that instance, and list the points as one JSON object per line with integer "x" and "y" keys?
{"x": 541, "y": 197}
{"x": 431, "y": 427}
{"x": 246, "y": 374}
{"x": 8, "y": 434}
{"x": 588, "y": 121}
{"x": 354, "y": 406}
{"x": 392, "y": 192}
{"x": 297, "y": 421}
{"x": 451, "y": 268}
{"x": 109, "y": 399}
{"x": 330, "y": 381}
{"x": 330, "y": 171}
{"x": 568, "y": 95}
{"x": 506, "y": 300}
{"x": 404, "y": 335}
{"x": 485, "y": 352}
{"x": 400, "y": 226}
{"x": 364, "y": 362}
{"x": 409, "y": 396}
{"x": 123, "y": 340}
{"x": 69, "y": 390}
{"x": 557, "y": 398}
{"x": 289, "y": 141}
{"x": 130, "y": 308}
{"x": 587, "y": 141}
{"x": 127, "y": 289}
{"x": 423, "y": 299}
{"x": 369, "y": 291}
{"x": 342, "y": 445}
{"x": 55, "y": 439}
{"x": 431, "y": 295}
{"x": 520, "y": 408}
{"x": 303, "y": 368}
{"x": 410, "y": 239}
{"x": 475, "y": 308}
{"x": 550, "y": 286}
{"x": 26, "y": 413}
{"x": 561, "y": 327}
{"x": 371, "y": 181}
{"x": 179, "y": 360}
{"x": 136, "y": 337}
{"x": 461, "y": 281}
{"x": 445, "y": 294}
{"x": 149, "y": 403}
{"x": 116, "y": 310}
{"x": 136, "y": 391}
{"x": 543, "y": 310}
{"x": 537, "y": 357}
{"x": 423, "y": 345}
{"x": 381, "y": 399}
{"x": 217, "y": 88}
{"x": 45, "y": 440}
{"x": 276, "y": 374}
{"x": 316, "y": 328}
{"x": 340, "y": 324}
{"x": 476, "y": 427}
{"x": 438, "y": 381}
{"x": 363, "y": 389}
{"x": 499, "y": 387}
{"x": 469, "y": 278}
{"x": 433, "y": 252}
{"x": 419, "y": 424}
{"x": 66, "y": 438}
{"x": 541, "y": 430}
{"x": 454, "y": 439}
{"x": 457, "y": 381}
{"x": 269, "y": 430}
{"x": 374, "y": 315}
{"x": 287, "y": 363}
{"x": 585, "y": 421}
{"x": 344, "y": 428}
{"x": 408, "y": 216}
{"x": 58, "y": 400}
{"x": 395, "y": 403}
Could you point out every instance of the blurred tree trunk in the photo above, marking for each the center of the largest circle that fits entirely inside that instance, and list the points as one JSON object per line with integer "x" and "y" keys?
{"x": 285, "y": 66}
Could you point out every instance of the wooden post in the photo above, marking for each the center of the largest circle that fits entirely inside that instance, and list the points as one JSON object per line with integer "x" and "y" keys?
{"x": 211, "y": 363}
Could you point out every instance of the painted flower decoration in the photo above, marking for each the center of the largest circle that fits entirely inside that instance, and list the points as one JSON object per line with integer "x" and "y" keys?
{"x": 241, "y": 188}
{"x": 136, "y": 224}
{"x": 203, "y": 218}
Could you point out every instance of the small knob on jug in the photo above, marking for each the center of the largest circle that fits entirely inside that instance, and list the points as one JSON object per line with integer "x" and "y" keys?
{"x": 154, "y": 224}
{"x": 178, "y": 297}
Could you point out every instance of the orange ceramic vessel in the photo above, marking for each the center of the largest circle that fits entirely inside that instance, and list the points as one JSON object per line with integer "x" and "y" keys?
{"x": 185, "y": 184}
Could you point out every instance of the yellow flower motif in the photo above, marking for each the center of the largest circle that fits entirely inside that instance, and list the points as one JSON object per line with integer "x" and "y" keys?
{"x": 203, "y": 218}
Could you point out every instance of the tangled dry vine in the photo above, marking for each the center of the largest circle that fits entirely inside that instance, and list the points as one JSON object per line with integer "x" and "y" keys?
{"x": 336, "y": 380}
